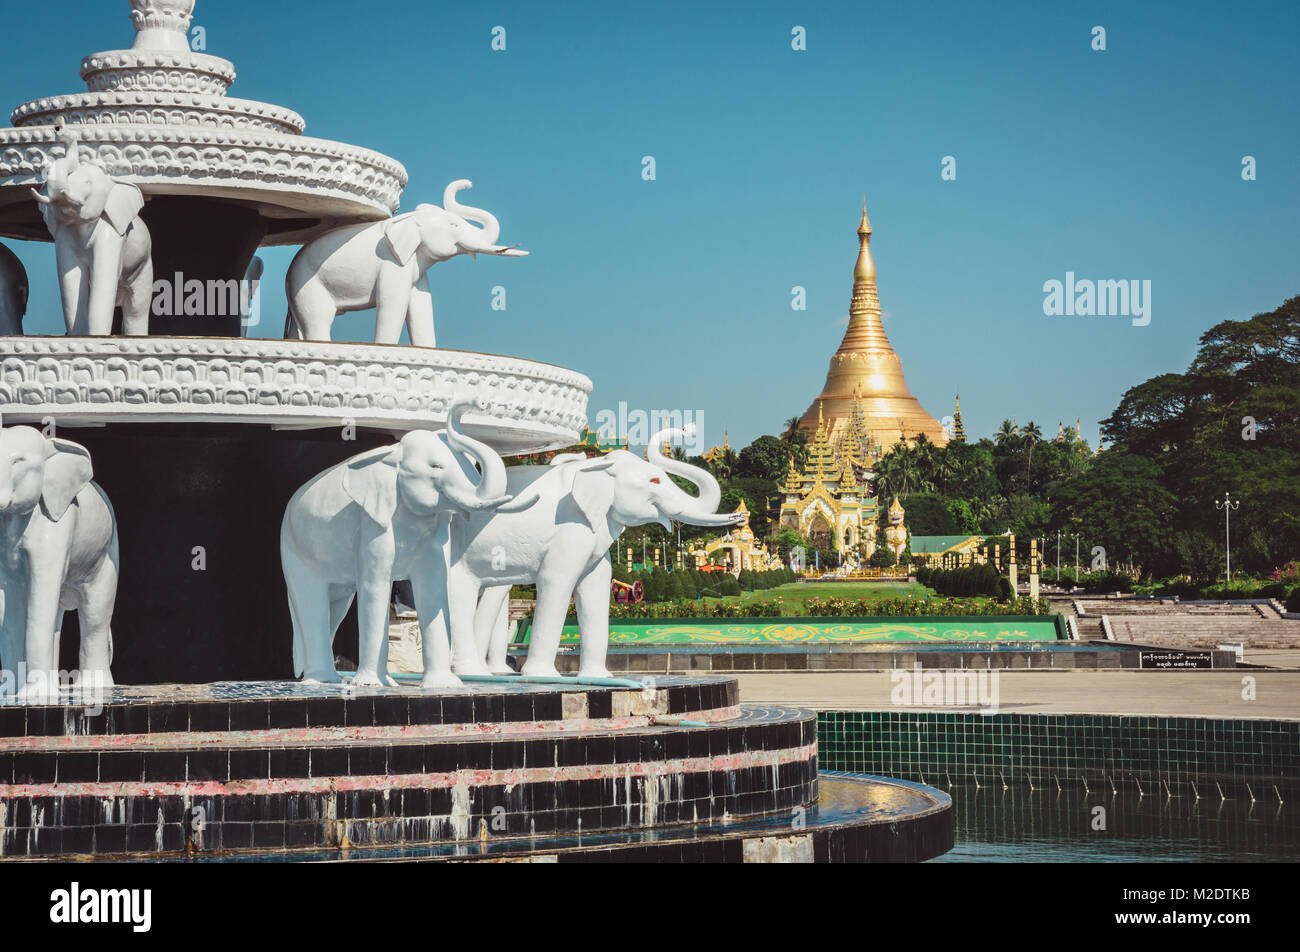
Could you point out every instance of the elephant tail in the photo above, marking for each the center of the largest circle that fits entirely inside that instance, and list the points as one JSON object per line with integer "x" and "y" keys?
{"x": 291, "y": 327}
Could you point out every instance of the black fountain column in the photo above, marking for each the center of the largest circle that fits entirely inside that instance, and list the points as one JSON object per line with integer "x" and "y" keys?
{"x": 206, "y": 240}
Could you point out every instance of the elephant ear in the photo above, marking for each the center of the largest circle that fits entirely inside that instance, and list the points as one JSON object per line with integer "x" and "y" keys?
{"x": 402, "y": 236}
{"x": 67, "y": 472}
{"x": 593, "y": 494}
{"x": 123, "y": 204}
{"x": 370, "y": 480}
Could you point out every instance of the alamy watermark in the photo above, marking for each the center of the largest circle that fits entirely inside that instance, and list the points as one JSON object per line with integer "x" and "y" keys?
{"x": 179, "y": 296}
{"x": 1105, "y": 298}
{"x": 946, "y": 688}
{"x": 87, "y": 689}
{"x": 639, "y": 425}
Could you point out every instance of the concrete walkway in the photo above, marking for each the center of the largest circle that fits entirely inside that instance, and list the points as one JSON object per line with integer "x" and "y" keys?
{"x": 1181, "y": 694}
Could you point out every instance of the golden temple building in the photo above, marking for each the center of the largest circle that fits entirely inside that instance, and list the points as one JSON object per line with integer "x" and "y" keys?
{"x": 867, "y": 370}
{"x": 738, "y": 549}
{"x": 830, "y": 502}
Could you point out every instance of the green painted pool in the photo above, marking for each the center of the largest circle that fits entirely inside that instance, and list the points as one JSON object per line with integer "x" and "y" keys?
{"x": 784, "y": 631}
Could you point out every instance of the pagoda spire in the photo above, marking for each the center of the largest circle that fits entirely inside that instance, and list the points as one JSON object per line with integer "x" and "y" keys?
{"x": 958, "y": 431}
{"x": 866, "y": 369}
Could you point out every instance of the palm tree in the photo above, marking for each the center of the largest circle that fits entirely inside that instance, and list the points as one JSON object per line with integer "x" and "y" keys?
{"x": 896, "y": 471}
{"x": 1006, "y": 433}
{"x": 945, "y": 468}
{"x": 1032, "y": 435}
{"x": 923, "y": 455}
{"x": 791, "y": 428}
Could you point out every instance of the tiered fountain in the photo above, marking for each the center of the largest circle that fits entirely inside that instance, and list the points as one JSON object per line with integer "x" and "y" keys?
{"x": 224, "y": 465}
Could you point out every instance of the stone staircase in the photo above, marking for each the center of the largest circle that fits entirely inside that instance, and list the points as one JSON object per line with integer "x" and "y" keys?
{"x": 1195, "y": 626}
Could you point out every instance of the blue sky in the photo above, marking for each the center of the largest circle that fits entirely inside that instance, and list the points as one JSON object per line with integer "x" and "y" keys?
{"x": 675, "y": 293}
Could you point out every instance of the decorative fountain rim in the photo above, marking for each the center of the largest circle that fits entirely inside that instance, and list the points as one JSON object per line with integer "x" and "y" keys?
{"x": 297, "y": 172}
{"x": 525, "y": 405}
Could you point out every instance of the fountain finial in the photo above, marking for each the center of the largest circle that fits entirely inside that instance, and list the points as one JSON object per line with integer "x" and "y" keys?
{"x": 162, "y": 24}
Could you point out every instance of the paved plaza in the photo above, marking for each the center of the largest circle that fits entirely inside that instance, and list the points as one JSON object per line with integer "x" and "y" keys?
{"x": 1276, "y": 692}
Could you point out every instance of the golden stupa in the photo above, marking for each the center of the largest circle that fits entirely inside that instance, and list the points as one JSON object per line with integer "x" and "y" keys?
{"x": 866, "y": 370}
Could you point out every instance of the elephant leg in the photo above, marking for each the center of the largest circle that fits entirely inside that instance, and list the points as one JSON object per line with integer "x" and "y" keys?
{"x": 313, "y": 635}
{"x": 419, "y": 314}
{"x": 390, "y": 313}
{"x": 492, "y": 627}
{"x": 429, "y": 588}
{"x": 13, "y": 640}
{"x": 44, "y": 614}
{"x": 374, "y": 587}
{"x": 462, "y": 601}
{"x": 72, "y": 287}
{"x": 105, "y": 280}
{"x": 591, "y": 595}
{"x": 138, "y": 302}
{"x": 313, "y": 310}
{"x": 95, "y": 612}
{"x": 548, "y": 625}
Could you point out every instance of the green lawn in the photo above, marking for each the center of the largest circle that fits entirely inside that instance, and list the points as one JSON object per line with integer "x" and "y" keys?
{"x": 795, "y": 594}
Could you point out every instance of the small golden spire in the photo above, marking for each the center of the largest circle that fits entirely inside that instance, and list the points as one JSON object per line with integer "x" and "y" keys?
{"x": 864, "y": 271}
{"x": 819, "y": 413}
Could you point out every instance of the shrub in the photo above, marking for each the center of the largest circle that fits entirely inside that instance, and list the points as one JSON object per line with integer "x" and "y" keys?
{"x": 1004, "y": 589}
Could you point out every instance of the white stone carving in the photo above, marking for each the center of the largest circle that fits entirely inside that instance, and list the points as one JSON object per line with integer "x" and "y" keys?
{"x": 157, "y": 117}
{"x": 58, "y": 550}
{"x": 102, "y": 247}
{"x": 299, "y": 172}
{"x": 376, "y": 518}
{"x": 159, "y": 108}
{"x": 556, "y": 534}
{"x": 162, "y": 24}
{"x": 383, "y": 266}
{"x": 159, "y": 70}
{"x": 527, "y": 406}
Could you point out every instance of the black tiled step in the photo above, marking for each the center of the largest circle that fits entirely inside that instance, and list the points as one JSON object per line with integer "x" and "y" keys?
{"x": 652, "y": 776}
{"x": 285, "y": 705}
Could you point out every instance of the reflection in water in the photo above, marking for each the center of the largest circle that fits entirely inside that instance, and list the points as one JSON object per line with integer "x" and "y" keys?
{"x": 1047, "y": 826}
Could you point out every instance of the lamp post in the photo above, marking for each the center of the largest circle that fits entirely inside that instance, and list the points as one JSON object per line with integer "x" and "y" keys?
{"x": 1058, "y": 556}
{"x": 1227, "y": 506}
{"x": 1076, "y": 557}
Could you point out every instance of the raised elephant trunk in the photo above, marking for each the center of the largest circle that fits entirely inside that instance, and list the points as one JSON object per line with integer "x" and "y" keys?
{"x": 54, "y": 176}
{"x": 706, "y": 505}
{"x": 491, "y": 227}
{"x": 491, "y": 489}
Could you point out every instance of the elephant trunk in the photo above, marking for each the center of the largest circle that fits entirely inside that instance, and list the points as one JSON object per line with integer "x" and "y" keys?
{"x": 492, "y": 483}
{"x": 710, "y": 492}
{"x": 491, "y": 229}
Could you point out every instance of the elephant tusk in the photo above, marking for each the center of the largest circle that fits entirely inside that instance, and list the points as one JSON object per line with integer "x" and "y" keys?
{"x": 43, "y": 199}
{"x": 520, "y": 503}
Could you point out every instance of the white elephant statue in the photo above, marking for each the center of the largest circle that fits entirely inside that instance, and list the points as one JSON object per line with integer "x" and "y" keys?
{"x": 376, "y": 518}
{"x": 102, "y": 247}
{"x": 13, "y": 292}
{"x": 556, "y": 533}
{"x": 383, "y": 265}
{"x": 59, "y": 552}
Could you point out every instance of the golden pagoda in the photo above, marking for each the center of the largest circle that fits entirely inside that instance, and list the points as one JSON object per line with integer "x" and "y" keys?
{"x": 829, "y": 502}
{"x": 867, "y": 370}
{"x": 739, "y": 548}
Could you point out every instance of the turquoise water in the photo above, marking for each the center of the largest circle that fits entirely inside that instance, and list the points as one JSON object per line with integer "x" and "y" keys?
{"x": 1046, "y": 826}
